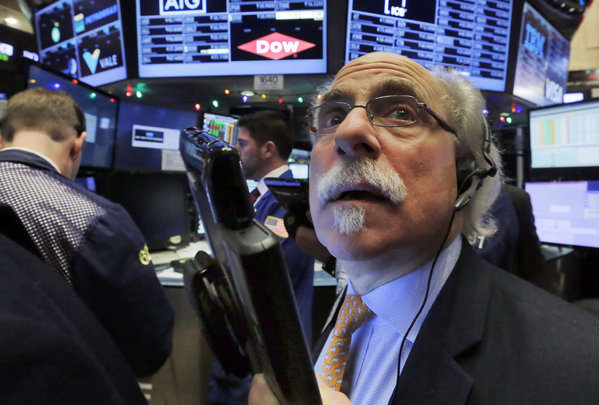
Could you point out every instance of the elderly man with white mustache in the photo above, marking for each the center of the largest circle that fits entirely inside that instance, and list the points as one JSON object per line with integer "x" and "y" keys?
{"x": 403, "y": 171}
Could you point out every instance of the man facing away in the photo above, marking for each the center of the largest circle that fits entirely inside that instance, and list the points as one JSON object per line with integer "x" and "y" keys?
{"x": 264, "y": 141}
{"x": 91, "y": 242}
{"x": 403, "y": 171}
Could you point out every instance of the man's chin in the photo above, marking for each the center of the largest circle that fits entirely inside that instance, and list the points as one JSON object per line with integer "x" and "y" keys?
{"x": 349, "y": 219}
{"x": 355, "y": 247}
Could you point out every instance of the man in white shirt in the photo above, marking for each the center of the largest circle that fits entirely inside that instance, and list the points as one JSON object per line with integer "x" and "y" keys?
{"x": 403, "y": 170}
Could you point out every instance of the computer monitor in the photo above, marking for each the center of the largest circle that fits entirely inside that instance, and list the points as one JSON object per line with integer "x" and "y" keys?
{"x": 473, "y": 38}
{"x": 100, "y": 111}
{"x": 148, "y": 137}
{"x": 300, "y": 170}
{"x": 89, "y": 182}
{"x": 564, "y": 141}
{"x": 216, "y": 37}
{"x": 566, "y": 212}
{"x": 158, "y": 202}
{"x": 83, "y": 39}
{"x": 542, "y": 65}
{"x": 222, "y": 126}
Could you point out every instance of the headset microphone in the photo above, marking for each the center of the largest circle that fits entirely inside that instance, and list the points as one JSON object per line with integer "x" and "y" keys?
{"x": 470, "y": 175}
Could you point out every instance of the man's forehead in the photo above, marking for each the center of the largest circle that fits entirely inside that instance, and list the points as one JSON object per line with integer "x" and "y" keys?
{"x": 243, "y": 133}
{"x": 383, "y": 88}
{"x": 383, "y": 73}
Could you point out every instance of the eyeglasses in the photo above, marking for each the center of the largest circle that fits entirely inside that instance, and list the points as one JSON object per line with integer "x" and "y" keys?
{"x": 383, "y": 111}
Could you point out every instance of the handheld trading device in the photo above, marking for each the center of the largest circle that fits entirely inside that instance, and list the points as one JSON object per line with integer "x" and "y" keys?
{"x": 291, "y": 193}
{"x": 243, "y": 293}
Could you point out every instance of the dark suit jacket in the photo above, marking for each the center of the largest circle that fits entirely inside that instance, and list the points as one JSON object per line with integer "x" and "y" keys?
{"x": 491, "y": 338}
{"x": 52, "y": 348}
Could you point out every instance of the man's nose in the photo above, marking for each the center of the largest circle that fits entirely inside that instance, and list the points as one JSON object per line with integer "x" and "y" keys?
{"x": 356, "y": 136}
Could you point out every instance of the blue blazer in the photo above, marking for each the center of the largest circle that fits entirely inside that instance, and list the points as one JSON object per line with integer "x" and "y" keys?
{"x": 299, "y": 264}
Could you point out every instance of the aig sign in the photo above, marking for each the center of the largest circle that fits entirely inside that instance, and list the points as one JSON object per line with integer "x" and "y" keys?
{"x": 173, "y": 7}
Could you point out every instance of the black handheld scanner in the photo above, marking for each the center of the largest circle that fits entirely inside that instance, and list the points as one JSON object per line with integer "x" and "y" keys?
{"x": 243, "y": 296}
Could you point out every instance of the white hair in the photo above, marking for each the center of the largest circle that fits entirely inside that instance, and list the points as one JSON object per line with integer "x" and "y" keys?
{"x": 463, "y": 105}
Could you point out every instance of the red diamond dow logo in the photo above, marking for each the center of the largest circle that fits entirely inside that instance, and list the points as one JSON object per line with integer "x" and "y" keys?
{"x": 276, "y": 46}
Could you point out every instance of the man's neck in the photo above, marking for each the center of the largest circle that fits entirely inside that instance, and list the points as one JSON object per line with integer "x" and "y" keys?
{"x": 270, "y": 167}
{"x": 40, "y": 144}
{"x": 368, "y": 274}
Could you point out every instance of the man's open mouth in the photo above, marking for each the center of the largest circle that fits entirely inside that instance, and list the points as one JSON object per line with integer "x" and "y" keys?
{"x": 359, "y": 194}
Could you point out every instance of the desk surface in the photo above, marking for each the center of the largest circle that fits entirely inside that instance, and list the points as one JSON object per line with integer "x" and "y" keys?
{"x": 170, "y": 278}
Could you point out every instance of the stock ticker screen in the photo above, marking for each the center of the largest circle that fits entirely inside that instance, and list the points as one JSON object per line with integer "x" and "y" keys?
{"x": 232, "y": 37}
{"x": 471, "y": 37}
{"x": 83, "y": 39}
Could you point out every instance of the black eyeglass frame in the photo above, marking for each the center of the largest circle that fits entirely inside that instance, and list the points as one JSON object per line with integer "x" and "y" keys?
{"x": 444, "y": 124}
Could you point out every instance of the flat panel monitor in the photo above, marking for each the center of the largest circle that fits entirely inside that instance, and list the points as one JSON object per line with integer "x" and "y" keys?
{"x": 300, "y": 170}
{"x": 83, "y": 39}
{"x": 88, "y": 182}
{"x": 230, "y": 37}
{"x": 542, "y": 66}
{"x": 100, "y": 114}
{"x": 222, "y": 126}
{"x": 148, "y": 137}
{"x": 566, "y": 213}
{"x": 471, "y": 37}
{"x": 158, "y": 204}
{"x": 565, "y": 138}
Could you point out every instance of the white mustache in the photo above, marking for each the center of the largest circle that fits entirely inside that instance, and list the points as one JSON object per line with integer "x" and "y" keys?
{"x": 355, "y": 172}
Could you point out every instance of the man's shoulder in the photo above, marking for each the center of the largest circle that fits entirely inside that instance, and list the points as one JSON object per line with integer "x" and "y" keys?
{"x": 533, "y": 339}
{"x": 524, "y": 299}
{"x": 519, "y": 303}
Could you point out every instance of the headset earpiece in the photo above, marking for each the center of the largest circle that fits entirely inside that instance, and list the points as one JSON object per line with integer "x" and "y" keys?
{"x": 465, "y": 168}
{"x": 469, "y": 174}
{"x": 469, "y": 179}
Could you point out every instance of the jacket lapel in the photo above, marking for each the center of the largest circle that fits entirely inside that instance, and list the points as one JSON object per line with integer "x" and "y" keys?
{"x": 454, "y": 325}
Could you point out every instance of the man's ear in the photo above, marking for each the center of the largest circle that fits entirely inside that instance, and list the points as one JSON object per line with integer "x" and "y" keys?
{"x": 270, "y": 149}
{"x": 77, "y": 146}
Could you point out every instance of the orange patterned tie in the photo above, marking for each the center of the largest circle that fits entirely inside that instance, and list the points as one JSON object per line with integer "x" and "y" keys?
{"x": 352, "y": 314}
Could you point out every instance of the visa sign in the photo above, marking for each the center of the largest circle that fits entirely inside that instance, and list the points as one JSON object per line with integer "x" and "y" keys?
{"x": 276, "y": 46}
{"x": 553, "y": 91}
{"x": 172, "y": 7}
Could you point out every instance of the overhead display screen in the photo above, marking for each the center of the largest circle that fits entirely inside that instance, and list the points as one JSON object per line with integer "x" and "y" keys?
{"x": 232, "y": 37}
{"x": 471, "y": 37}
{"x": 83, "y": 39}
{"x": 543, "y": 56}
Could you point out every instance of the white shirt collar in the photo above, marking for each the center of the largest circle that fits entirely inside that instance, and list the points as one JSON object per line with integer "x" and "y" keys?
{"x": 46, "y": 158}
{"x": 398, "y": 301}
{"x": 262, "y": 187}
